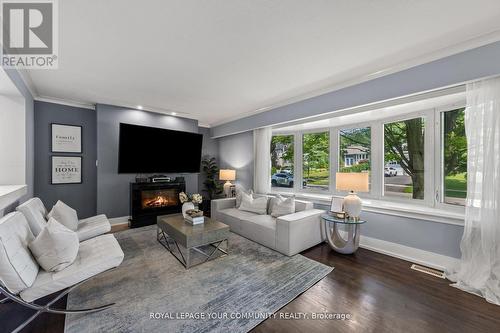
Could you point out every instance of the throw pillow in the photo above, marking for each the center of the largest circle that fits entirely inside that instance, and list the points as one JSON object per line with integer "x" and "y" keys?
{"x": 254, "y": 205}
{"x": 283, "y": 206}
{"x": 239, "y": 192}
{"x": 65, "y": 215}
{"x": 56, "y": 247}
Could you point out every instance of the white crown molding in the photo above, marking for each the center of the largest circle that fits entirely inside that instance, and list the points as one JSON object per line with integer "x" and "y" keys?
{"x": 446, "y": 51}
{"x": 65, "y": 102}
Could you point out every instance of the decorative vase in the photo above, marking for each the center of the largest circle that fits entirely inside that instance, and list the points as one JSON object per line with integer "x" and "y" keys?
{"x": 352, "y": 205}
{"x": 186, "y": 206}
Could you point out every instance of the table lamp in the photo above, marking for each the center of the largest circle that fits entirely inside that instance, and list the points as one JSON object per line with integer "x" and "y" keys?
{"x": 352, "y": 182}
{"x": 227, "y": 175}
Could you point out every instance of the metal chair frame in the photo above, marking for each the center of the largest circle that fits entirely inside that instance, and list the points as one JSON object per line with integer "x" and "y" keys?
{"x": 47, "y": 307}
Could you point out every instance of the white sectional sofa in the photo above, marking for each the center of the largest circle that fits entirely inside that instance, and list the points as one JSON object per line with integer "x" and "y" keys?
{"x": 288, "y": 234}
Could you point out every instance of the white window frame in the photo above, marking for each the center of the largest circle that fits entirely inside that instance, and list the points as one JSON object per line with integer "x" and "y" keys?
{"x": 433, "y": 168}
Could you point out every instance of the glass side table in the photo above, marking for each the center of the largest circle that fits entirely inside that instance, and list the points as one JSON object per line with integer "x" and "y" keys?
{"x": 337, "y": 242}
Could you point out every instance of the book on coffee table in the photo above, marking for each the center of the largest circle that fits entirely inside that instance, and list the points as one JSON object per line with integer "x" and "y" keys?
{"x": 195, "y": 220}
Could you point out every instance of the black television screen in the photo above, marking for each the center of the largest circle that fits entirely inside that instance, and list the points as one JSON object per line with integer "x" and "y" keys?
{"x": 156, "y": 150}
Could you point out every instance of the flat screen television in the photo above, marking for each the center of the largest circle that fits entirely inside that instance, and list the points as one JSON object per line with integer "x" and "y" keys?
{"x": 145, "y": 149}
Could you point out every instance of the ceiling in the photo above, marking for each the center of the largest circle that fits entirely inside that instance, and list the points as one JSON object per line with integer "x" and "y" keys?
{"x": 223, "y": 59}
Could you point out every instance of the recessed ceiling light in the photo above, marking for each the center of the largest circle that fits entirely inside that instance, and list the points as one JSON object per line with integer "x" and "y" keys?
{"x": 173, "y": 113}
{"x": 139, "y": 107}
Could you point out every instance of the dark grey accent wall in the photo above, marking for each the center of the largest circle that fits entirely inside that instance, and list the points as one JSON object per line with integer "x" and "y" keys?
{"x": 81, "y": 197}
{"x": 113, "y": 188}
{"x": 210, "y": 148}
{"x": 469, "y": 65}
{"x": 236, "y": 152}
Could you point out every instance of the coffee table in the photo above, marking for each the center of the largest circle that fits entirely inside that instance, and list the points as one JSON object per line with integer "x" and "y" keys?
{"x": 181, "y": 239}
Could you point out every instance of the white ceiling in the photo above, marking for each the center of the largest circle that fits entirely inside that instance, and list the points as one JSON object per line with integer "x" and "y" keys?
{"x": 222, "y": 59}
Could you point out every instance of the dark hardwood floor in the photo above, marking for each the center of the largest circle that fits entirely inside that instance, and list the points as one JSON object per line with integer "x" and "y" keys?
{"x": 380, "y": 293}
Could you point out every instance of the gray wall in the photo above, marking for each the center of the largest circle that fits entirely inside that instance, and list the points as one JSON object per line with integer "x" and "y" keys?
{"x": 236, "y": 152}
{"x": 469, "y": 65}
{"x": 113, "y": 188}
{"x": 81, "y": 197}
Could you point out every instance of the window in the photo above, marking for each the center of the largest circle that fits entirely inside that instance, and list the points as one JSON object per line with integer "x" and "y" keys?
{"x": 355, "y": 149}
{"x": 454, "y": 157}
{"x": 316, "y": 160}
{"x": 404, "y": 158}
{"x": 282, "y": 155}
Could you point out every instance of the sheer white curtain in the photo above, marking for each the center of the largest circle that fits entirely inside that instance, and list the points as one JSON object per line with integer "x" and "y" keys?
{"x": 479, "y": 269}
{"x": 262, "y": 160}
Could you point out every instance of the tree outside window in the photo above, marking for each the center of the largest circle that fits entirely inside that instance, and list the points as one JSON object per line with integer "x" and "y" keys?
{"x": 404, "y": 158}
{"x": 454, "y": 157}
{"x": 316, "y": 160}
{"x": 282, "y": 157}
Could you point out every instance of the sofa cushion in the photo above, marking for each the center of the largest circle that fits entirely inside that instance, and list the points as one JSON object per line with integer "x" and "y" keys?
{"x": 261, "y": 229}
{"x": 239, "y": 193}
{"x": 18, "y": 268}
{"x": 34, "y": 211}
{"x": 255, "y": 205}
{"x": 95, "y": 255}
{"x": 283, "y": 206}
{"x": 65, "y": 215}
{"x": 92, "y": 227}
{"x": 233, "y": 218}
{"x": 56, "y": 247}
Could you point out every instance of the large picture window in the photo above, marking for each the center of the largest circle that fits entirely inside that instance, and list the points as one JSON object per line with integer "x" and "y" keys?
{"x": 404, "y": 158}
{"x": 316, "y": 160}
{"x": 355, "y": 149}
{"x": 454, "y": 157}
{"x": 282, "y": 156}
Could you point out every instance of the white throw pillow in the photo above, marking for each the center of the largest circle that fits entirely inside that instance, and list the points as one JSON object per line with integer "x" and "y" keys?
{"x": 65, "y": 215}
{"x": 254, "y": 205}
{"x": 283, "y": 206}
{"x": 56, "y": 247}
{"x": 239, "y": 193}
{"x": 34, "y": 211}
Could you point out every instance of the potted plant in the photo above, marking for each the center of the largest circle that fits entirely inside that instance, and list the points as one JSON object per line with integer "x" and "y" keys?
{"x": 212, "y": 187}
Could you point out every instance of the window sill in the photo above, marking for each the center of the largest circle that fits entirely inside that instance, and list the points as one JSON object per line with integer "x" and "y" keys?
{"x": 10, "y": 194}
{"x": 407, "y": 210}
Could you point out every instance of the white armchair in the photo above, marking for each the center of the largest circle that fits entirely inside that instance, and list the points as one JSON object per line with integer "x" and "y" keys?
{"x": 23, "y": 281}
{"x": 35, "y": 213}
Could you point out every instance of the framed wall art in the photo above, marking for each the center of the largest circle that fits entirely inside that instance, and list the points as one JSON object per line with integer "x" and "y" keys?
{"x": 66, "y": 138}
{"x": 66, "y": 170}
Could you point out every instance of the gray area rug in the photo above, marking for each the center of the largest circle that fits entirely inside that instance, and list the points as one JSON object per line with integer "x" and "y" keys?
{"x": 250, "y": 281}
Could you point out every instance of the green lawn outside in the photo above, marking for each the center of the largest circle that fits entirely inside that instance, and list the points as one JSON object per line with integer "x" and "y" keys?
{"x": 456, "y": 186}
{"x": 317, "y": 176}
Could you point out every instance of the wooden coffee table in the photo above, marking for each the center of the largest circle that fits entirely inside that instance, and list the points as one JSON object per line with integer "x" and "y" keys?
{"x": 181, "y": 239}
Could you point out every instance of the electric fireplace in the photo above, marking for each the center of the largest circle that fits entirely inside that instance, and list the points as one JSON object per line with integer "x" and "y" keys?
{"x": 149, "y": 200}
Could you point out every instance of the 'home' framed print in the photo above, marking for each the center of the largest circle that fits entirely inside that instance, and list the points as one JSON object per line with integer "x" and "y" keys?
{"x": 66, "y": 138}
{"x": 66, "y": 170}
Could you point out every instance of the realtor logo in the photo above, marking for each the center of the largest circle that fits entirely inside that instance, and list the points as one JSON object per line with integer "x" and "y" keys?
{"x": 29, "y": 34}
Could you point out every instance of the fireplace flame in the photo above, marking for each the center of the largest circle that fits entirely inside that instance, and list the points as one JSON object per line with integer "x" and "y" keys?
{"x": 159, "y": 201}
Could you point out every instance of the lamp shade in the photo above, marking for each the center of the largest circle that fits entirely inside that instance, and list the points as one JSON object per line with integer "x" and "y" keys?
{"x": 227, "y": 174}
{"x": 352, "y": 181}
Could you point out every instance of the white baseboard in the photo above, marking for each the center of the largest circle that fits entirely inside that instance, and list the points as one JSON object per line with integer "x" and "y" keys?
{"x": 119, "y": 220}
{"x": 411, "y": 254}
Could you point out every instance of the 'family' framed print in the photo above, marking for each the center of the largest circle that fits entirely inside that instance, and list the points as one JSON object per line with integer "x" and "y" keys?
{"x": 66, "y": 138}
{"x": 66, "y": 170}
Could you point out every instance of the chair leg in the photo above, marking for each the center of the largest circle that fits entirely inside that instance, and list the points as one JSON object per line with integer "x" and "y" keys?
{"x": 47, "y": 307}
{"x": 4, "y": 300}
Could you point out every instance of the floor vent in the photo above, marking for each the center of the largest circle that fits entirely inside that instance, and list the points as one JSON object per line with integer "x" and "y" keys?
{"x": 427, "y": 270}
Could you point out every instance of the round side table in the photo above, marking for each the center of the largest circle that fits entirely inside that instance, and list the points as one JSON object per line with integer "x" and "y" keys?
{"x": 337, "y": 242}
